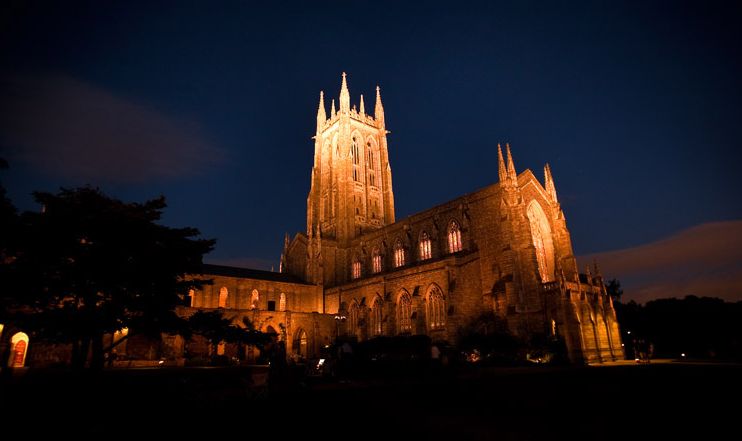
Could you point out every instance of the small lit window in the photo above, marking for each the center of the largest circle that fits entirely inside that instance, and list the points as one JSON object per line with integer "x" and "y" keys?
{"x": 254, "y": 299}
{"x": 356, "y": 269}
{"x": 399, "y": 257}
{"x": 454, "y": 237}
{"x": 425, "y": 252}
{"x": 376, "y": 260}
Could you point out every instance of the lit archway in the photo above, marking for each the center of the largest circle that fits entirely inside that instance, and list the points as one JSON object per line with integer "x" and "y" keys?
{"x": 18, "y": 350}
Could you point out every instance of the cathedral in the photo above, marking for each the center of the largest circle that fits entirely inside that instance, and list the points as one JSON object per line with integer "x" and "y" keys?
{"x": 358, "y": 273}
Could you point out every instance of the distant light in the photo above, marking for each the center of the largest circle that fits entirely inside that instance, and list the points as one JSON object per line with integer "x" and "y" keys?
{"x": 321, "y": 362}
{"x": 622, "y": 345}
{"x": 629, "y": 332}
{"x": 683, "y": 355}
{"x": 161, "y": 362}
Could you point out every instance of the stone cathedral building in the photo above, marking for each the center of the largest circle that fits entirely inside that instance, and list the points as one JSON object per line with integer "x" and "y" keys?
{"x": 504, "y": 249}
{"x": 358, "y": 272}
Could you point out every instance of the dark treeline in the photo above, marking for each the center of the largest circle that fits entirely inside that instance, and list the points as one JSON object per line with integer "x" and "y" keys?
{"x": 699, "y": 327}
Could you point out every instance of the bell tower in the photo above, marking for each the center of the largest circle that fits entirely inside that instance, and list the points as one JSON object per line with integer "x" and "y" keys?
{"x": 351, "y": 188}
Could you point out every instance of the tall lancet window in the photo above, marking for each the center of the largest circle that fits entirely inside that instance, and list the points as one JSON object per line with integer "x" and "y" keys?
{"x": 398, "y": 254}
{"x": 376, "y": 260}
{"x": 454, "y": 237}
{"x": 542, "y": 242}
{"x": 356, "y": 160}
{"x": 377, "y": 316}
{"x": 352, "y": 318}
{"x": 425, "y": 252}
{"x": 356, "y": 269}
{"x": 282, "y": 302}
{"x": 435, "y": 308}
{"x": 370, "y": 165}
{"x": 404, "y": 313}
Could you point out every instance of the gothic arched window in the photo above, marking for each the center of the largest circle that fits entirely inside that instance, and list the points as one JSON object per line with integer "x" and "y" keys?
{"x": 370, "y": 165}
{"x": 352, "y": 318}
{"x": 404, "y": 313}
{"x": 282, "y": 302}
{"x": 399, "y": 257}
{"x": 377, "y": 316}
{"x": 376, "y": 260}
{"x": 254, "y": 299}
{"x": 435, "y": 308}
{"x": 425, "y": 252}
{"x": 454, "y": 237}
{"x": 542, "y": 242}
{"x": 356, "y": 269}
{"x": 356, "y": 159}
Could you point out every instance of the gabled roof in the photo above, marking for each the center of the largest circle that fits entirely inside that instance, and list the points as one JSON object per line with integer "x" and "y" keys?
{"x": 249, "y": 273}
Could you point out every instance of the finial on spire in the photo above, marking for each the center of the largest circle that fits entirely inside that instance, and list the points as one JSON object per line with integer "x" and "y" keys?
{"x": 501, "y": 170}
{"x": 321, "y": 116}
{"x": 511, "y": 166}
{"x": 344, "y": 97}
{"x": 549, "y": 184}
{"x": 363, "y": 107}
{"x": 332, "y": 111}
{"x": 379, "y": 108}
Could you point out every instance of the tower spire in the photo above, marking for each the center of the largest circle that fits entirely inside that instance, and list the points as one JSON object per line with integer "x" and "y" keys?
{"x": 321, "y": 116}
{"x": 344, "y": 97}
{"x": 332, "y": 110}
{"x": 363, "y": 107}
{"x": 379, "y": 108}
{"x": 511, "y": 166}
{"x": 549, "y": 184}
{"x": 501, "y": 170}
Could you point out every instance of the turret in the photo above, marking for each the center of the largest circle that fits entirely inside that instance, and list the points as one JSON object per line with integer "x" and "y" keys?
{"x": 549, "y": 184}
{"x": 363, "y": 107}
{"x": 379, "y": 109}
{"x": 511, "y": 167}
{"x": 344, "y": 97}
{"x": 501, "y": 170}
{"x": 321, "y": 116}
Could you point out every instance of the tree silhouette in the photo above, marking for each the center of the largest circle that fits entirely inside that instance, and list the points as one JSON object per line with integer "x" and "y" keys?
{"x": 89, "y": 265}
{"x": 613, "y": 288}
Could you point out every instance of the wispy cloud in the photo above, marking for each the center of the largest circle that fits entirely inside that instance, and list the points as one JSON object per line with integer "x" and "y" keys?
{"x": 78, "y": 131}
{"x": 705, "y": 260}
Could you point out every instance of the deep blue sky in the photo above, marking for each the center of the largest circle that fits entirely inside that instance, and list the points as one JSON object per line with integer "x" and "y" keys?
{"x": 635, "y": 105}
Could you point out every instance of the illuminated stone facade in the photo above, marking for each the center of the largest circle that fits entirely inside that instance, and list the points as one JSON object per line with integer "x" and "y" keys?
{"x": 503, "y": 249}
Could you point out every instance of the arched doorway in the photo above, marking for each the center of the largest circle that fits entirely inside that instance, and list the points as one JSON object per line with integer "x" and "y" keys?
{"x": 19, "y": 348}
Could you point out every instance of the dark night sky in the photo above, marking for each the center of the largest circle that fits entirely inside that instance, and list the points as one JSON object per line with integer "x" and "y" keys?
{"x": 635, "y": 105}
